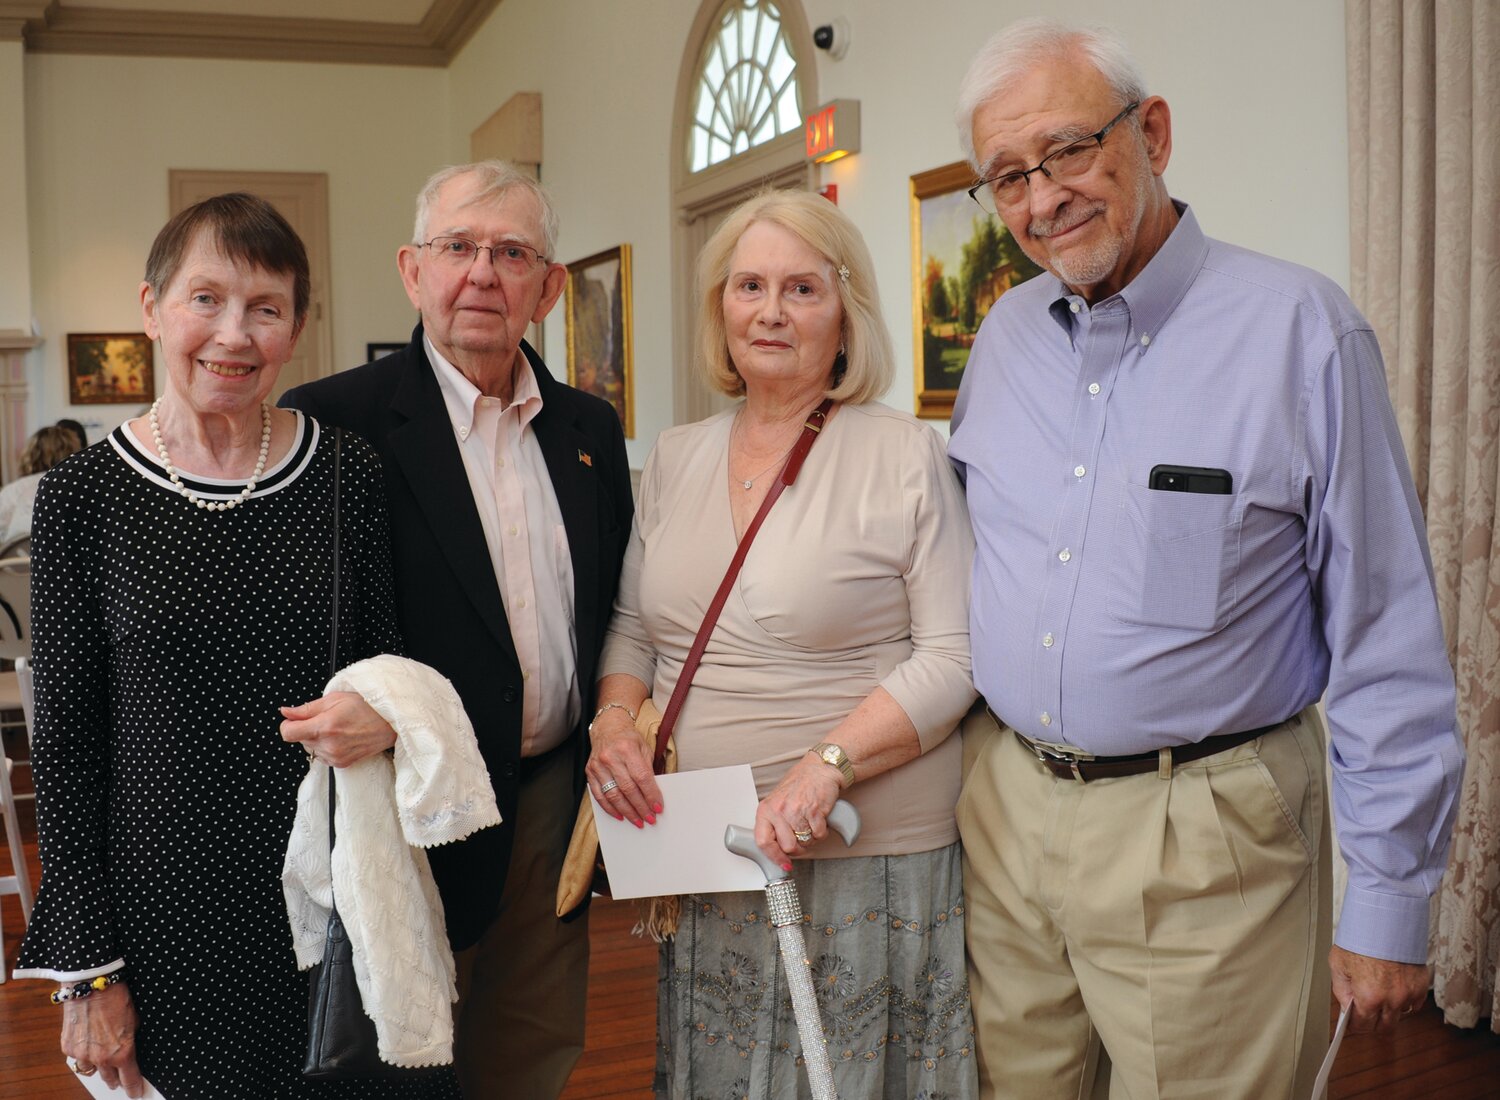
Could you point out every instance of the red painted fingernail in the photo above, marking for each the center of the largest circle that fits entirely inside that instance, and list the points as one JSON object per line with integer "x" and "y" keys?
{"x": 650, "y": 819}
{"x": 657, "y": 807}
{"x": 638, "y": 824}
{"x": 786, "y": 866}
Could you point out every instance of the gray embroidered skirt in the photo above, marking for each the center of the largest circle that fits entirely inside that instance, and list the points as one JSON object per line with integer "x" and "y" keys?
{"x": 885, "y": 935}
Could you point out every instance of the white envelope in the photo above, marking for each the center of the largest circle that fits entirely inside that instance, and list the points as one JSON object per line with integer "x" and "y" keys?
{"x": 96, "y": 1086}
{"x": 684, "y": 853}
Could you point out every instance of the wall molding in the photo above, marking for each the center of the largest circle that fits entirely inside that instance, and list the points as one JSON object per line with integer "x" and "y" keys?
{"x": 48, "y": 27}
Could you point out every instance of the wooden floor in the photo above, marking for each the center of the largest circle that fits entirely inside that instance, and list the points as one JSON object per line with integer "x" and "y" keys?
{"x": 1424, "y": 1060}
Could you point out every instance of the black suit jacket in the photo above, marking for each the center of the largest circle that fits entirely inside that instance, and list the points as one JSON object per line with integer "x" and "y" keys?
{"x": 447, "y": 598}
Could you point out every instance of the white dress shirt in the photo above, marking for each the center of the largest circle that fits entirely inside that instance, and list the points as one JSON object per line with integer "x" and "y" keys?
{"x": 528, "y": 544}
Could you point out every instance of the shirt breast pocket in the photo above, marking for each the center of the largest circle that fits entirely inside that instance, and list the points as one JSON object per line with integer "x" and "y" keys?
{"x": 1175, "y": 559}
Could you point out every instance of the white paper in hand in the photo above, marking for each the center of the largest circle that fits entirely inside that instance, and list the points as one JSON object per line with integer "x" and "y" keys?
{"x": 1320, "y": 1086}
{"x": 96, "y": 1086}
{"x": 684, "y": 853}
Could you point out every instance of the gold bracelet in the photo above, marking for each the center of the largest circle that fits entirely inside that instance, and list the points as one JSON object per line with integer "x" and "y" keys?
{"x": 610, "y": 706}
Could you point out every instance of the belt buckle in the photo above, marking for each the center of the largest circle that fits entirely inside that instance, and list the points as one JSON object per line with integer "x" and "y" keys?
{"x": 1055, "y": 754}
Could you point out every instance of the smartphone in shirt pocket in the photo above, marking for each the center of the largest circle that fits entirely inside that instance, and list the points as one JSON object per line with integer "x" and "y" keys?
{"x": 1176, "y": 549}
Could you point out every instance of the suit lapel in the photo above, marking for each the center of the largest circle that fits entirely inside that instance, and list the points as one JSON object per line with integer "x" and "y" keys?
{"x": 570, "y": 459}
{"x": 425, "y": 450}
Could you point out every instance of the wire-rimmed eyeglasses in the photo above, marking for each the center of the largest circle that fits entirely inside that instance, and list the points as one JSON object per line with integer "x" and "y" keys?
{"x": 512, "y": 256}
{"x": 1068, "y": 165}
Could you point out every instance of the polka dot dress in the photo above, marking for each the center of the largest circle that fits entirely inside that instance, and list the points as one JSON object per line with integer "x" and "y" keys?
{"x": 165, "y": 638}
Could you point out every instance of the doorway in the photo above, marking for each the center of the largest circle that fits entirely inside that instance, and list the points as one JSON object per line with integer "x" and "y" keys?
{"x": 302, "y": 199}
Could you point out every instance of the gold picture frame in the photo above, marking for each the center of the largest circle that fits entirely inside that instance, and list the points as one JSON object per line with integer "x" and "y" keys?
{"x": 110, "y": 368}
{"x": 598, "y": 311}
{"x": 962, "y": 260}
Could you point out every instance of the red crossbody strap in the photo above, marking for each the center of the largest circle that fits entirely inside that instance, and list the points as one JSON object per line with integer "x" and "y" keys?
{"x": 793, "y": 465}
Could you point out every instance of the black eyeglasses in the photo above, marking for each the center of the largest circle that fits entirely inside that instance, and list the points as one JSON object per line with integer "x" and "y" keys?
{"x": 1068, "y": 165}
{"x": 510, "y": 256}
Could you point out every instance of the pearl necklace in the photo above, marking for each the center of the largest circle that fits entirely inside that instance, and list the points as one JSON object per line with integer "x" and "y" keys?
{"x": 213, "y": 505}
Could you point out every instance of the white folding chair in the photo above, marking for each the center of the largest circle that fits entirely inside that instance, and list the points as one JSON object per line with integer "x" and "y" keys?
{"x": 14, "y": 696}
{"x": 15, "y": 606}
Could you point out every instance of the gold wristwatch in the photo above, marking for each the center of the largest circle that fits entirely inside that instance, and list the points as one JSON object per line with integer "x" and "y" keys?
{"x": 835, "y": 756}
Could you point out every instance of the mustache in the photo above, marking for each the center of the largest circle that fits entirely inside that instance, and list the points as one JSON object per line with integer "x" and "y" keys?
{"x": 1067, "y": 218}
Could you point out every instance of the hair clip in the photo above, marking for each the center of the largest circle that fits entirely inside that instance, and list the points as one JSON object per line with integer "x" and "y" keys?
{"x": 844, "y": 272}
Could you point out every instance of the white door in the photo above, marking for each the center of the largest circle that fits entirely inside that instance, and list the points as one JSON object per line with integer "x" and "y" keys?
{"x": 302, "y": 199}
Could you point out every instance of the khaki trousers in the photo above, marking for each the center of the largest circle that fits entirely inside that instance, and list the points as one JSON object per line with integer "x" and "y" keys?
{"x": 522, "y": 987}
{"x": 1181, "y": 918}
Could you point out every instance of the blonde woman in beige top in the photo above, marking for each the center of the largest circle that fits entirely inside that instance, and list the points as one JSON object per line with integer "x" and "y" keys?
{"x": 839, "y": 668}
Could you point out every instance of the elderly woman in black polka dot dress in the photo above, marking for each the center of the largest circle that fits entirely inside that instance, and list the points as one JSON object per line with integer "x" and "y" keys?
{"x": 182, "y": 595}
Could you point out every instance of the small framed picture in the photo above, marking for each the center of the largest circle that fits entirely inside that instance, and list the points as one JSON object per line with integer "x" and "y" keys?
{"x": 962, "y": 260}
{"x": 380, "y": 351}
{"x": 599, "y": 330}
{"x": 110, "y": 368}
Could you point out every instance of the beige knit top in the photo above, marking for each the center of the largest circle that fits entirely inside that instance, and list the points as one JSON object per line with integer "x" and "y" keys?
{"x": 859, "y": 578}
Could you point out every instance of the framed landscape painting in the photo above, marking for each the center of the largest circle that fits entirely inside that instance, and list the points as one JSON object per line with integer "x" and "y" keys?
{"x": 110, "y": 368}
{"x": 962, "y": 260}
{"x": 599, "y": 338}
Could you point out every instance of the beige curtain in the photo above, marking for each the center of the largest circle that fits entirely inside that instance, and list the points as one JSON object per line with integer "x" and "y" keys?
{"x": 1424, "y": 160}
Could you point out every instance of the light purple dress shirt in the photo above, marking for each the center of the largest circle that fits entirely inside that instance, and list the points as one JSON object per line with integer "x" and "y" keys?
{"x": 1119, "y": 618}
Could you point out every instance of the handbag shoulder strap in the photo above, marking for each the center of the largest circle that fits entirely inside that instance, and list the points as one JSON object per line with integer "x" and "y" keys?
{"x": 810, "y": 431}
{"x": 333, "y": 657}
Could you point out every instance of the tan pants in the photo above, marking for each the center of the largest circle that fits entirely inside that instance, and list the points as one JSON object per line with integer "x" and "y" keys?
{"x": 522, "y": 987}
{"x": 1184, "y": 922}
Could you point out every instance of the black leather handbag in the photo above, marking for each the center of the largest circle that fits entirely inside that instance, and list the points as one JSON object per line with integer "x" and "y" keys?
{"x": 341, "y": 1041}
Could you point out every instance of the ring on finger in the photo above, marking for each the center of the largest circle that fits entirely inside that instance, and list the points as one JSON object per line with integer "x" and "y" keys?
{"x": 803, "y": 835}
{"x": 607, "y": 787}
{"x": 84, "y": 1071}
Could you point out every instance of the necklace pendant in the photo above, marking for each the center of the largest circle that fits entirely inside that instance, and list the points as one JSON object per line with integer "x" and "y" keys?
{"x": 748, "y": 484}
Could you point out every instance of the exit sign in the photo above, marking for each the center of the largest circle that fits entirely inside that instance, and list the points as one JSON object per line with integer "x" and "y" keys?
{"x": 832, "y": 131}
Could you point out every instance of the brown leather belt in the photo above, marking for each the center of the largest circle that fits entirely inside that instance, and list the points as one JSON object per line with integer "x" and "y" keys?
{"x": 1068, "y": 766}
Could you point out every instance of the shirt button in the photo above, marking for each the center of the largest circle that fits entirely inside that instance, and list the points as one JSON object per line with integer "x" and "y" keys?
{"x": 1064, "y": 555}
{"x": 1047, "y": 641}
{"x": 511, "y": 530}
{"x": 463, "y": 433}
{"x": 1145, "y": 339}
{"x": 1075, "y": 307}
{"x": 525, "y": 676}
{"x": 521, "y": 602}
{"x": 1079, "y": 471}
{"x": 1046, "y": 719}
{"x": 1093, "y": 387}
{"x": 501, "y": 462}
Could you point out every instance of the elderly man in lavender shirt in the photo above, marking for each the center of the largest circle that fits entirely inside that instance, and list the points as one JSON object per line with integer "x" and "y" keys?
{"x": 1194, "y": 519}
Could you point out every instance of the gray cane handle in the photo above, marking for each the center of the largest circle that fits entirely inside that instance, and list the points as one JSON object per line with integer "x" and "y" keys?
{"x": 842, "y": 819}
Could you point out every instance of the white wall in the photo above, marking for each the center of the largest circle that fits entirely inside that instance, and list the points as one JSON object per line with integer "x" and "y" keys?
{"x": 102, "y": 133}
{"x": 1257, "y": 93}
{"x": 607, "y": 72}
{"x": 1256, "y": 90}
{"x": 15, "y": 274}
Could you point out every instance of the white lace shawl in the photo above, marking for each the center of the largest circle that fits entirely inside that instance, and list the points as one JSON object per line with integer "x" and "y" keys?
{"x": 435, "y": 789}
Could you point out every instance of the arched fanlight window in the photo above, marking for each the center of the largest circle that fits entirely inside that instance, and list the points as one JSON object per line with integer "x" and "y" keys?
{"x": 747, "y": 84}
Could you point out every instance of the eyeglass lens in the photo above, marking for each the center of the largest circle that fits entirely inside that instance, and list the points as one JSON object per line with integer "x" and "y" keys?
{"x": 511, "y": 255}
{"x": 1068, "y": 165}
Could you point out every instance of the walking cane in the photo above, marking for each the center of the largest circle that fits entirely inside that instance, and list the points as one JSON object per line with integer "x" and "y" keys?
{"x": 786, "y": 917}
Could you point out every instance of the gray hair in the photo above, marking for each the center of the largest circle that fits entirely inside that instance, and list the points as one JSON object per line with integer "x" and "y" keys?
{"x": 1013, "y": 51}
{"x": 492, "y": 179}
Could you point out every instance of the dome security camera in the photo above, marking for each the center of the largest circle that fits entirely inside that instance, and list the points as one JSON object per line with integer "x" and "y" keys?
{"x": 833, "y": 37}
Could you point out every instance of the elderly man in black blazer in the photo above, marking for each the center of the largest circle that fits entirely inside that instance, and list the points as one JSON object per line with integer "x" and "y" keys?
{"x": 510, "y": 508}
